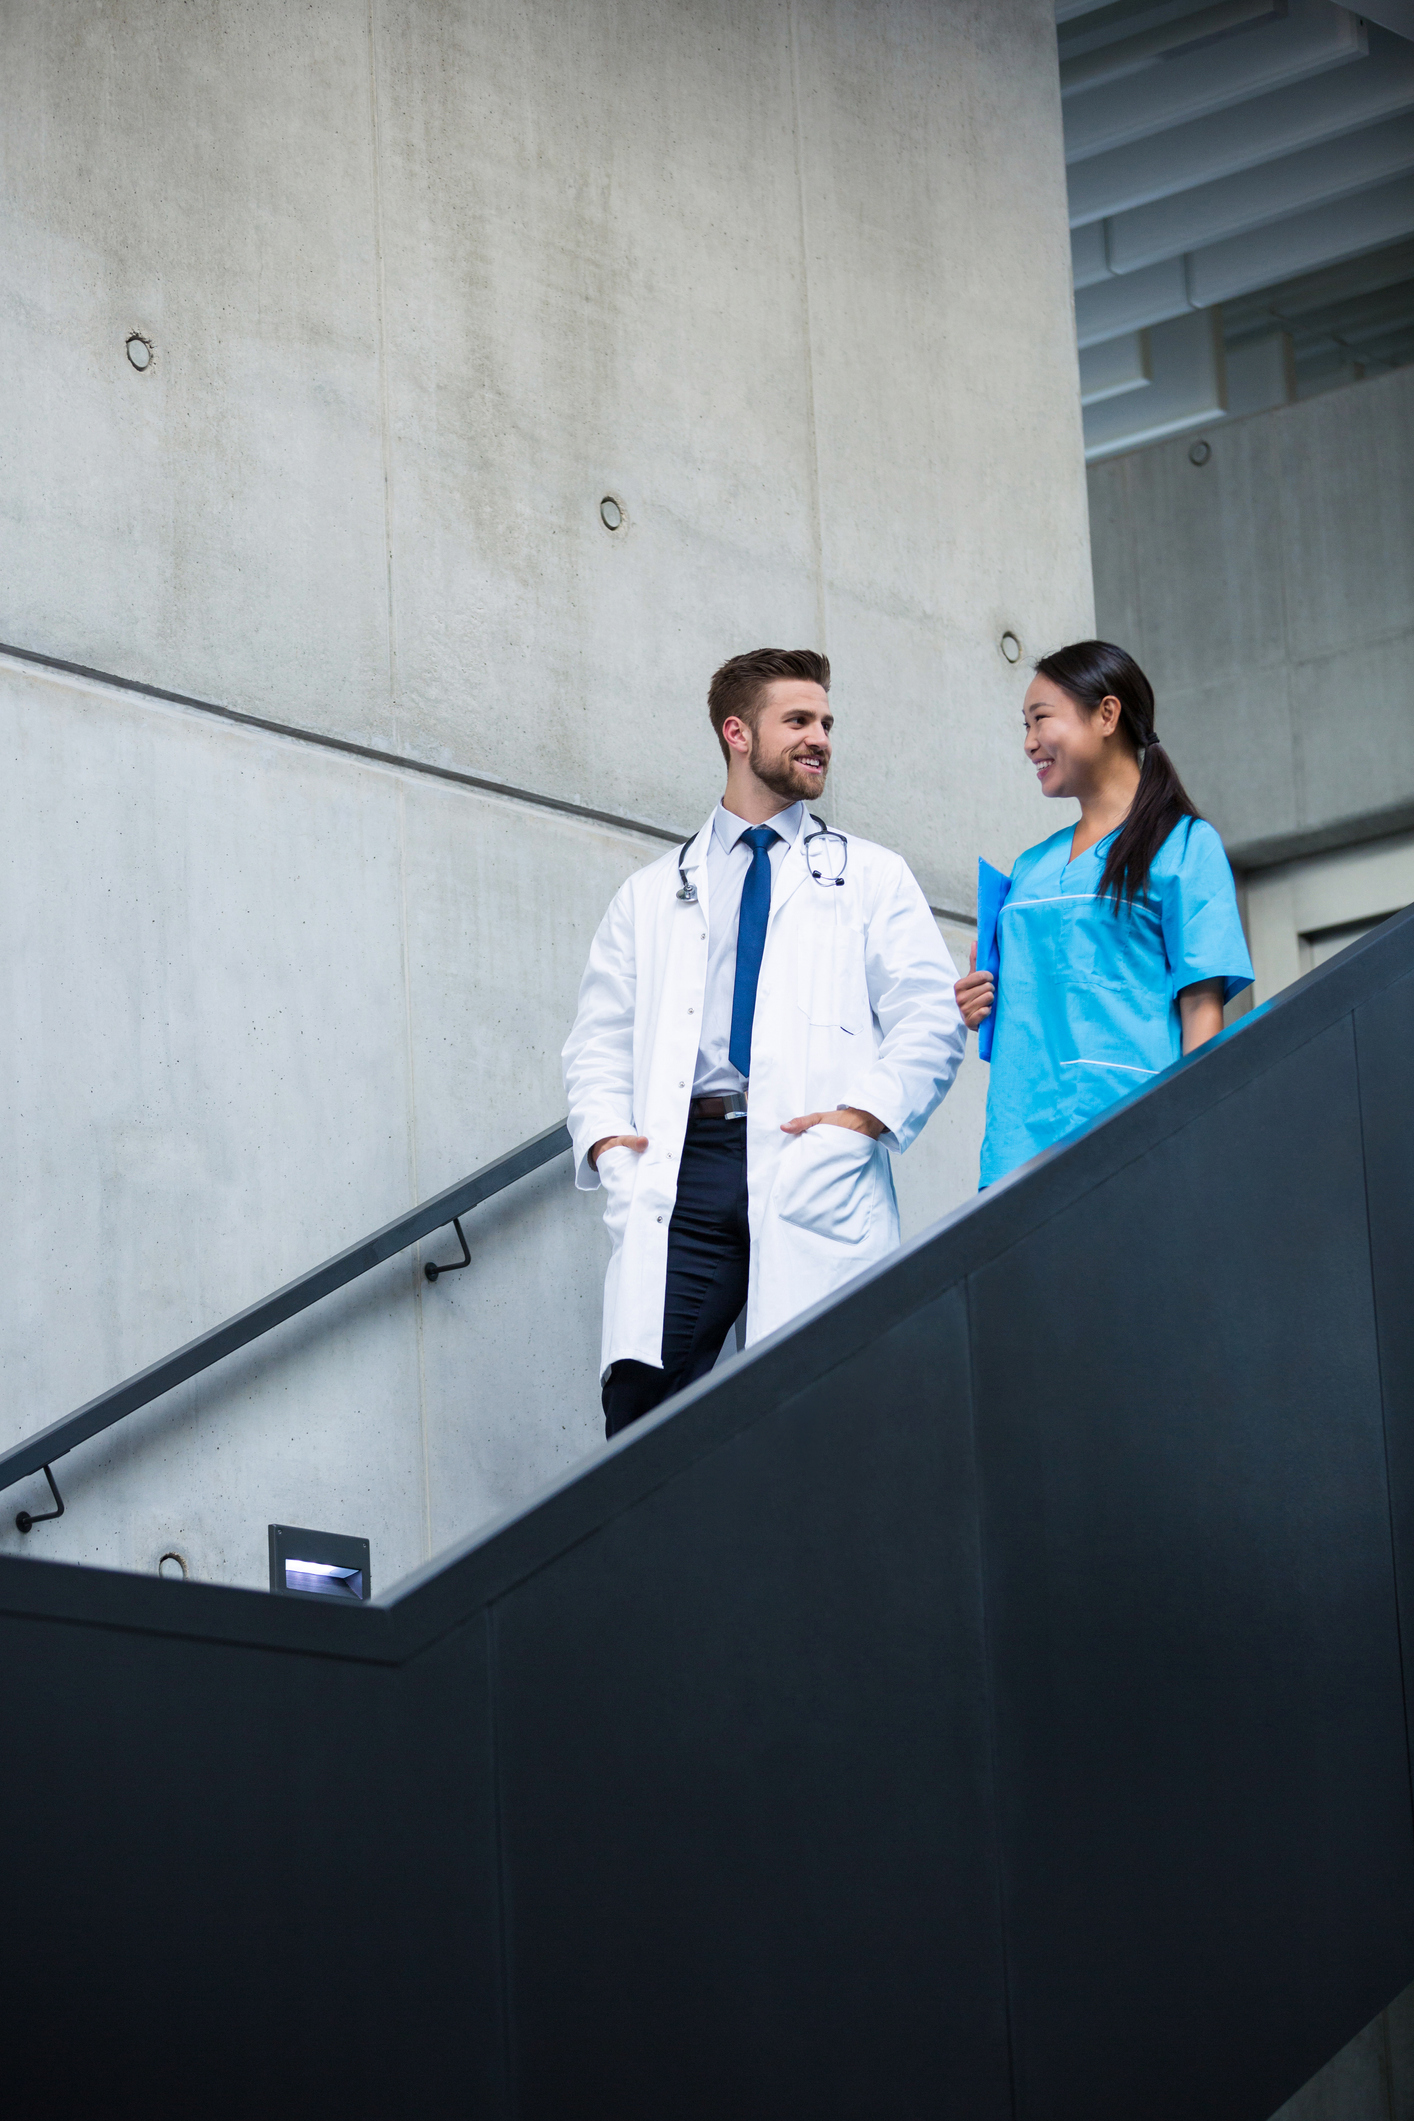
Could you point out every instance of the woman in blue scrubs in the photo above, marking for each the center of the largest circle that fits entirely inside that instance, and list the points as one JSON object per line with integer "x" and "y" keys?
{"x": 1119, "y": 936}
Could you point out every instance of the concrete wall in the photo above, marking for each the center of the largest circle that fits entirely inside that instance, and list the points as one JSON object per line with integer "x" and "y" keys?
{"x": 1301, "y": 913}
{"x": 1269, "y": 593}
{"x": 423, "y": 284}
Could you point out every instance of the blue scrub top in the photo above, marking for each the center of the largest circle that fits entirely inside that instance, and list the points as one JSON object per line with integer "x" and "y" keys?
{"x": 1087, "y": 997}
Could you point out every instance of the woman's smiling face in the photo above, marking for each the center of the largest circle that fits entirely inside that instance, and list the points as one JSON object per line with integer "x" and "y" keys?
{"x": 1065, "y": 745}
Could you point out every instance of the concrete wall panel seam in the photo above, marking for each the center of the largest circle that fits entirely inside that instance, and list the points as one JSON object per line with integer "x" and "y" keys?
{"x": 384, "y": 414}
{"x": 414, "y": 1265}
{"x": 958, "y": 916}
{"x": 817, "y": 509}
{"x": 400, "y": 761}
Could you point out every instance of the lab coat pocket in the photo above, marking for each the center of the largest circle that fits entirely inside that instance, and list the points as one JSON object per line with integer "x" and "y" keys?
{"x": 830, "y": 984}
{"x": 828, "y": 1183}
{"x": 618, "y": 1175}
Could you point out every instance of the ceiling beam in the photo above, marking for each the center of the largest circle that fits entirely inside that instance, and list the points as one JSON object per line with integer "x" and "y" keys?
{"x": 1211, "y": 212}
{"x": 1101, "y": 20}
{"x": 1315, "y": 35}
{"x": 1120, "y": 18}
{"x": 1314, "y": 300}
{"x": 1131, "y": 301}
{"x": 1397, "y": 15}
{"x": 1220, "y": 272}
{"x": 1115, "y": 369}
{"x": 1089, "y": 258}
{"x": 1278, "y": 123}
{"x": 1117, "y": 58}
{"x": 1312, "y": 305}
{"x": 1186, "y": 390}
{"x": 1339, "y": 230}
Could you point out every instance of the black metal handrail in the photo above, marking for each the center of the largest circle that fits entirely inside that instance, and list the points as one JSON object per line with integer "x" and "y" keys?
{"x": 37, "y": 1453}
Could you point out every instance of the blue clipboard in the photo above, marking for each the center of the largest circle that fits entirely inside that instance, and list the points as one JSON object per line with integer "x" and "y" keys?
{"x": 992, "y": 888}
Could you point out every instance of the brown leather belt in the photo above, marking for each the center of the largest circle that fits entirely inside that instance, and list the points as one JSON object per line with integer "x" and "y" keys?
{"x": 730, "y": 1106}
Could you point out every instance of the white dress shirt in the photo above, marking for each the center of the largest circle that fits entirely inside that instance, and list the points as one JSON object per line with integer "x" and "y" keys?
{"x": 727, "y": 865}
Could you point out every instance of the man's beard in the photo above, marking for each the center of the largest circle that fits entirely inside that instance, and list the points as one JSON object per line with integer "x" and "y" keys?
{"x": 783, "y": 777}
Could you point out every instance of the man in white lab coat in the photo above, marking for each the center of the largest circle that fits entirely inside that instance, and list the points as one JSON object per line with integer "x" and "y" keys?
{"x": 765, "y": 1013}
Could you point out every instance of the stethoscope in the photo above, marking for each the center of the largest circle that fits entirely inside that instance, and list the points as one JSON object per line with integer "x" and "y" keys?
{"x": 825, "y": 874}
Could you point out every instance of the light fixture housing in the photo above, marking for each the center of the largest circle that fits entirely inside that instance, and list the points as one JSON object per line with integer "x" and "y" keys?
{"x": 305, "y": 1564}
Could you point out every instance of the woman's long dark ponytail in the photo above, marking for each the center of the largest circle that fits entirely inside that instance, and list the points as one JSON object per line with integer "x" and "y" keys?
{"x": 1090, "y": 671}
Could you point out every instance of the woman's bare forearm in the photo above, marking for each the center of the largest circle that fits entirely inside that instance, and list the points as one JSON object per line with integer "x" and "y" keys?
{"x": 1200, "y": 1009}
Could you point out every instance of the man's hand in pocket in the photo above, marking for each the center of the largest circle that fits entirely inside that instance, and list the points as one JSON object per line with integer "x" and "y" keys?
{"x": 637, "y": 1142}
{"x": 848, "y": 1116}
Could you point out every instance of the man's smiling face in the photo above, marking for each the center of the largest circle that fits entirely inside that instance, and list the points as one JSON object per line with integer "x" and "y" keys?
{"x": 790, "y": 745}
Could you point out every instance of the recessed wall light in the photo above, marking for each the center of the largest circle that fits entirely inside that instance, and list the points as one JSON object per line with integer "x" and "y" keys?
{"x": 1010, "y": 647}
{"x": 307, "y": 1564}
{"x": 611, "y": 513}
{"x": 139, "y": 350}
{"x": 1199, "y": 452}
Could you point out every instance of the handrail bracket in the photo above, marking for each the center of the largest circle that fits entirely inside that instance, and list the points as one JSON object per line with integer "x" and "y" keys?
{"x": 26, "y": 1519}
{"x": 452, "y": 1266}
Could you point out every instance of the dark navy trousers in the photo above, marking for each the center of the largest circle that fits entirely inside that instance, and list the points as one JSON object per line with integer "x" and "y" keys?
{"x": 709, "y": 1253}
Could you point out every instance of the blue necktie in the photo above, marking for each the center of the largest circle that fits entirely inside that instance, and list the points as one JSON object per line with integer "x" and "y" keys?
{"x": 750, "y": 942}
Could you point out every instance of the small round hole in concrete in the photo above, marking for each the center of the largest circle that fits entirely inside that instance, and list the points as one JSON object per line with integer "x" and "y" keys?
{"x": 139, "y": 350}
{"x": 611, "y": 514}
{"x": 1010, "y": 647}
{"x": 1199, "y": 452}
{"x": 173, "y": 1568}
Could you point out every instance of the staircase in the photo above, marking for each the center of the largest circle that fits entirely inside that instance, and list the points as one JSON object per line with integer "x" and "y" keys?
{"x": 984, "y": 1700}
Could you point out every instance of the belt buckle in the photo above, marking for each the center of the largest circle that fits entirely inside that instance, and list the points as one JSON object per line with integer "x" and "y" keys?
{"x": 734, "y": 1104}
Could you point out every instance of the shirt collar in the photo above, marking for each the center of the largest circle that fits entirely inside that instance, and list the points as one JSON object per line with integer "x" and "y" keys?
{"x": 728, "y": 828}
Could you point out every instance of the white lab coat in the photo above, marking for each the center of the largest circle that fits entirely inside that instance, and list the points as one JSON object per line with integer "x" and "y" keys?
{"x": 854, "y": 1007}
